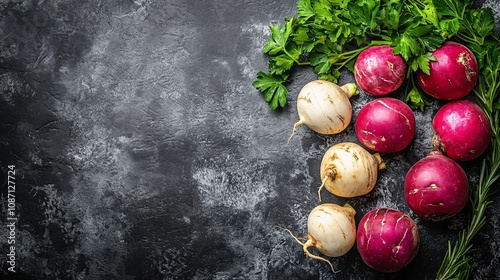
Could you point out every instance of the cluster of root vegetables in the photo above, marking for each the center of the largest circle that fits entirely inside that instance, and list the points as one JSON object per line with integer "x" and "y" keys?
{"x": 436, "y": 187}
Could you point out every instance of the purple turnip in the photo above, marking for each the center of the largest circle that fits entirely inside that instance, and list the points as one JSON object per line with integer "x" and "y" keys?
{"x": 385, "y": 125}
{"x": 387, "y": 239}
{"x": 461, "y": 130}
{"x": 453, "y": 75}
{"x": 378, "y": 71}
{"x": 436, "y": 187}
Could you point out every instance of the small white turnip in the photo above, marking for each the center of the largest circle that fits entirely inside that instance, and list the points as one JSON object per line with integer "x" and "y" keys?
{"x": 387, "y": 239}
{"x": 325, "y": 107}
{"x": 378, "y": 71}
{"x": 461, "y": 130}
{"x": 331, "y": 230}
{"x": 348, "y": 170}
{"x": 436, "y": 187}
{"x": 385, "y": 125}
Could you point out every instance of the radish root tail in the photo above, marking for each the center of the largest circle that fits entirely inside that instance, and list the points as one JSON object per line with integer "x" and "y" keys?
{"x": 300, "y": 122}
{"x": 310, "y": 243}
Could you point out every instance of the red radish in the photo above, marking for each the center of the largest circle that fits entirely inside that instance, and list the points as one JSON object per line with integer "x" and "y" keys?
{"x": 436, "y": 187}
{"x": 461, "y": 130}
{"x": 387, "y": 239}
{"x": 453, "y": 75}
{"x": 378, "y": 71}
{"x": 385, "y": 125}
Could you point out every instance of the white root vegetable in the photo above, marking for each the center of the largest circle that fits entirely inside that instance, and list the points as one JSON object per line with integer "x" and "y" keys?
{"x": 348, "y": 170}
{"x": 325, "y": 107}
{"x": 331, "y": 230}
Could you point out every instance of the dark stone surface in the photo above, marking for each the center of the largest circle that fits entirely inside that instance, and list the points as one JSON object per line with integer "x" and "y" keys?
{"x": 142, "y": 151}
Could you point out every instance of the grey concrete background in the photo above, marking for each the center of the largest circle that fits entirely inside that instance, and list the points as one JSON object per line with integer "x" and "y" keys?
{"x": 143, "y": 152}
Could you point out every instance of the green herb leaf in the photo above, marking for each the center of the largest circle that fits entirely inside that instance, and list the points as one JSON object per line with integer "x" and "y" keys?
{"x": 422, "y": 63}
{"x": 279, "y": 37}
{"x": 482, "y": 21}
{"x": 415, "y": 99}
{"x": 275, "y": 93}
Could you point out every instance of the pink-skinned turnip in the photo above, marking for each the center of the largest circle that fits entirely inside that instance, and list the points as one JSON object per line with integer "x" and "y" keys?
{"x": 461, "y": 130}
{"x": 436, "y": 187}
{"x": 453, "y": 75}
{"x": 385, "y": 125}
{"x": 378, "y": 71}
{"x": 387, "y": 239}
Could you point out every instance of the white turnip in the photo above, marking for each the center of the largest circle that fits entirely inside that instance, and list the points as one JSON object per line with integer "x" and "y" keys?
{"x": 385, "y": 125}
{"x": 325, "y": 107}
{"x": 461, "y": 130}
{"x": 348, "y": 170}
{"x": 378, "y": 71}
{"x": 436, "y": 187}
{"x": 453, "y": 75}
{"x": 331, "y": 230}
{"x": 387, "y": 239}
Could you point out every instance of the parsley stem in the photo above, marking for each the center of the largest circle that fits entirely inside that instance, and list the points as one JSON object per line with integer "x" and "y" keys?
{"x": 295, "y": 59}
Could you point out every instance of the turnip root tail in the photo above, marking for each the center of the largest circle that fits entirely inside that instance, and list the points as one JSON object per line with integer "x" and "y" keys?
{"x": 310, "y": 243}
{"x": 321, "y": 187}
{"x": 300, "y": 122}
{"x": 330, "y": 173}
{"x": 380, "y": 161}
{"x": 306, "y": 245}
{"x": 350, "y": 89}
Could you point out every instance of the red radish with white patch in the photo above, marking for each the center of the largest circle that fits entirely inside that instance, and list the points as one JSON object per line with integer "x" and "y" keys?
{"x": 461, "y": 130}
{"x": 378, "y": 71}
{"x": 436, "y": 187}
{"x": 387, "y": 239}
{"x": 453, "y": 75}
{"x": 385, "y": 125}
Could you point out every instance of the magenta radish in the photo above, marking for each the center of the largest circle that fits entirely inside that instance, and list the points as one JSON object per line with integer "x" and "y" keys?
{"x": 331, "y": 230}
{"x": 385, "y": 125}
{"x": 378, "y": 71}
{"x": 453, "y": 75}
{"x": 387, "y": 239}
{"x": 348, "y": 170}
{"x": 461, "y": 130}
{"x": 324, "y": 106}
{"x": 436, "y": 187}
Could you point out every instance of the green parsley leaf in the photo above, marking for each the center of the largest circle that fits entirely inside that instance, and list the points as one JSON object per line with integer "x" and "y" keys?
{"x": 415, "y": 99}
{"x": 305, "y": 11}
{"x": 449, "y": 27}
{"x": 482, "y": 21}
{"x": 364, "y": 13}
{"x": 451, "y": 8}
{"x": 275, "y": 93}
{"x": 422, "y": 63}
{"x": 279, "y": 37}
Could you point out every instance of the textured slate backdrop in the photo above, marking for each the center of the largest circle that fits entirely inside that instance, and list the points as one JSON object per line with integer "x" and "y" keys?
{"x": 143, "y": 152}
